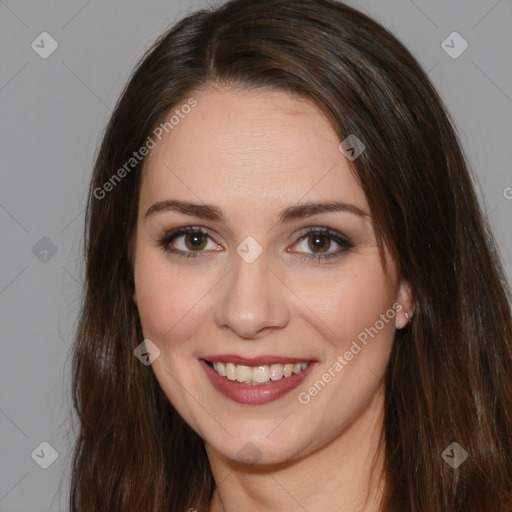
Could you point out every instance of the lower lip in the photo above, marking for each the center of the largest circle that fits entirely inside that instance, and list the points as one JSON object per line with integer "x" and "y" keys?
{"x": 258, "y": 393}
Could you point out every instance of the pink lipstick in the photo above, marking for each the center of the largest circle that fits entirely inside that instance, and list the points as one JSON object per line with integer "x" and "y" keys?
{"x": 251, "y": 392}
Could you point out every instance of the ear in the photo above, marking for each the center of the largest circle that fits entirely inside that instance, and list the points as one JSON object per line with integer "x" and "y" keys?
{"x": 406, "y": 301}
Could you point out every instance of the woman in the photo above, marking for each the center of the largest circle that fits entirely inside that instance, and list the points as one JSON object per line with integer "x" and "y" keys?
{"x": 281, "y": 210}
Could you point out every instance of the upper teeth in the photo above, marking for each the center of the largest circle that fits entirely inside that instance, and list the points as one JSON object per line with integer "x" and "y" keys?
{"x": 258, "y": 374}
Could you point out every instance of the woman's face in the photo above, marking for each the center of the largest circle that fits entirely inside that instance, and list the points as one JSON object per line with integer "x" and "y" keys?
{"x": 249, "y": 290}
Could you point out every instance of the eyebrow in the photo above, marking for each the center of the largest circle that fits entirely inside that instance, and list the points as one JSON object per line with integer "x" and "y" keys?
{"x": 298, "y": 211}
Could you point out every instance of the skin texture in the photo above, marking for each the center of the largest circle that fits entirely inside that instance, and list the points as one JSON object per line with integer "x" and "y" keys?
{"x": 252, "y": 154}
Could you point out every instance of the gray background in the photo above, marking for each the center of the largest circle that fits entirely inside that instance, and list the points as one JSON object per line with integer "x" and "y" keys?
{"x": 53, "y": 112}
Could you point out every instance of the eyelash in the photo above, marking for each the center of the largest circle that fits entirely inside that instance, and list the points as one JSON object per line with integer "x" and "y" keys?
{"x": 335, "y": 236}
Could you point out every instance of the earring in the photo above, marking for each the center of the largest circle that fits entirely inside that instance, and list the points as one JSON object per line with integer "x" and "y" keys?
{"x": 407, "y": 316}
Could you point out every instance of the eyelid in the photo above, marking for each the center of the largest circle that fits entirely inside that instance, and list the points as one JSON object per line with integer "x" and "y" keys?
{"x": 181, "y": 231}
{"x": 341, "y": 239}
{"x": 337, "y": 236}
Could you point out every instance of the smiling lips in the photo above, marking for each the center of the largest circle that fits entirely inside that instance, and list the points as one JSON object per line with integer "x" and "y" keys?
{"x": 255, "y": 381}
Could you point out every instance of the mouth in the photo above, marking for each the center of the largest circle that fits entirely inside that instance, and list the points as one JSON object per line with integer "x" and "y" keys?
{"x": 256, "y": 375}
{"x": 256, "y": 383}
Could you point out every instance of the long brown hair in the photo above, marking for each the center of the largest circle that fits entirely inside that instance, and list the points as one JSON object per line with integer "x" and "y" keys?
{"x": 448, "y": 378}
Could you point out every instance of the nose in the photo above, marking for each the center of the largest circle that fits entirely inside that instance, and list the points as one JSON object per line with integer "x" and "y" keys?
{"x": 252, "y": 300}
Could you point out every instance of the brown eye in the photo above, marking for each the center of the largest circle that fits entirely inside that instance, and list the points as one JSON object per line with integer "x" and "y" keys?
{"x": 188, "y": 241}
{"x": 195, "y": 241}
{"x": 321, "y": 242}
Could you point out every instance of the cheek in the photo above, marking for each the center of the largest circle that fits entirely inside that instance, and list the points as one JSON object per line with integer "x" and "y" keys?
{"x": 358, "y": 309}
{"x": 350, "y": 303}
{"x": 164, "y": 296}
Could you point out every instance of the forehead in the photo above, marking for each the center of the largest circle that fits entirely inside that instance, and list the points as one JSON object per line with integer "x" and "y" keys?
{"x": 248, "y": 147}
